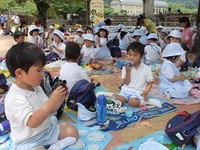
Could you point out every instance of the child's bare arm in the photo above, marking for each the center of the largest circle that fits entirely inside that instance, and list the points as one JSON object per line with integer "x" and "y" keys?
{"x": 177, "y": 78}
{"x": 38, "y": 116}
{"x": 127, "y": 78}
{"x": 147, "y": 90}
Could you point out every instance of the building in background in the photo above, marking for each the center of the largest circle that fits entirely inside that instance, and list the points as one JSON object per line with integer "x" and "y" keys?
{"x": 135, "y": 7}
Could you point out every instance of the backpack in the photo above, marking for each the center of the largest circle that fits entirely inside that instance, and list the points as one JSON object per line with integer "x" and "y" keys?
{"x": 3, "y": 84}
{"x": 113, "y": 46}
{"x": 196, "y": 62}
{"x": 51, "y": 57}
{"x": 82, "y": 92}
{"x": 48, "y": 85}
{"x": 182, "y": 127}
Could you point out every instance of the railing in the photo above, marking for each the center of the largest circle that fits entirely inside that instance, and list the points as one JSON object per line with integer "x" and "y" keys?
{"x": 168, "y": 20}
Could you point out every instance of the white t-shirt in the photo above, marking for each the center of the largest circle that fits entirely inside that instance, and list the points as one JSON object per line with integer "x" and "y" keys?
{"x": 32, "y": 39}
{"x": 79, "y": 39}
{"x": 72, "y": 72}
{"x": 16, "y": 19}
{"x": 61, "y": 46}
{"x": 19, "y": 106}
{"x": 152, "y": 52}
{"x": 87, "y": 53}
{"x": 139, "y": 78}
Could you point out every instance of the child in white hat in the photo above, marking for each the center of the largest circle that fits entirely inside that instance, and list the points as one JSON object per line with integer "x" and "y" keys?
{"x": 79, "y": 39}
{"x": 87, "y": 51}
{"x": 152, "y": 50}
{"x": 58, "y": 45}
{"x": 123, "y": 39}
{"x": 162, "y": 38}
{"x": 172, "y": 82}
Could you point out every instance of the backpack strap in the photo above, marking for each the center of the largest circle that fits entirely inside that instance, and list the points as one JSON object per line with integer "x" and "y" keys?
{"x": 155, "y": 48}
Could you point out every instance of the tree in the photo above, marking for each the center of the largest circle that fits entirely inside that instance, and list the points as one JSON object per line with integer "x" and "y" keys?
{"x": 196, "y": 46}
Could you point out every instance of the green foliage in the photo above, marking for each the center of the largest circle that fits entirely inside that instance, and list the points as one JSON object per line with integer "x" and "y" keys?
{"x": 182, "y": 6}
{"x": 108, "y": 11}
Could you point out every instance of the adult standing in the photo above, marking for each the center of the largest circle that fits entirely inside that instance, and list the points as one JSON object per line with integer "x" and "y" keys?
{"x": 106, "y": 22}
{"x": 146, "y": 22}
{"x": 186, "y": 36}
{"x": 2, "y": 20}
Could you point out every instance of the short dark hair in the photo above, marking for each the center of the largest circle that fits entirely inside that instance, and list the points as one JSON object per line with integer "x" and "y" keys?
{"x": 108, "y": 22}
{"x": 24, "y": 55}
{"x": 185, "y": 20}
{"x": 136, "y": 47}
{"x": 72, "y": 51}
{"x": 88, "y": 28}
{"x": 17, "y": 34}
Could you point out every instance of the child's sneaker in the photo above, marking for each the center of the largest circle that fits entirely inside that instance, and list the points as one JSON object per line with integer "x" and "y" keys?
{"x": 167, "y": 96}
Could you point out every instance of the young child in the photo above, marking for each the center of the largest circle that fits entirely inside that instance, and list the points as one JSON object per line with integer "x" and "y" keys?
{"x": 89, "y": 30}
{"x": 172, "y": 83}
{"x": 79, "y": 39}
{"x": 58, "y": 45}
{"x": 123, "y": 39}
{"x": 101, "y": 51}
{"x": 70, "y": 70}
{"x": 143, "y": 38}
{"x": 175, "y": 36}
{"x": 138, "y": 79}
{"x": 33, "y": 32}
{"x": 162, "y": 38}
{"x": 87, "y": 51}
{"x": 49, "y": 35}
{"x": 136, "y": 35}
{"x": 27, "y": 107}
{"x": 152, "y": 51}
{"x": 19, "y": 37}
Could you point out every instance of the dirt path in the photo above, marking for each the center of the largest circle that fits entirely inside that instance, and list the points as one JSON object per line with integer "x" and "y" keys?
{"x": 5, "y": 43}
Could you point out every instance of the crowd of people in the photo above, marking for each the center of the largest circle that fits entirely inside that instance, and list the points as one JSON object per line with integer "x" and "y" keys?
{"x": 144, "y": 45}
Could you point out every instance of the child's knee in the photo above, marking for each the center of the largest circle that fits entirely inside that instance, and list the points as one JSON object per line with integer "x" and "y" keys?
{"x": 134, "y": 102}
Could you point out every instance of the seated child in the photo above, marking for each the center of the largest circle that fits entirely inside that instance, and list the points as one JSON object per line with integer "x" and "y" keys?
{"x": 152, "y": 51}
{"x": 101, "y": 50}
{"x": 87, "y": 51}
{"x": 49, "y": 35}
{"x": 162, "y": 38}
{"x": 172, "y": 83}
{"x": 19, "y": 37}
{"x": 79, "y": 39}
{"x": 138, "y": 79}
{"x": 33, "y": 32}
{"x": 58, "y": 45}
{"x": 27, "y": 107}
{"x": 70, "y": 70}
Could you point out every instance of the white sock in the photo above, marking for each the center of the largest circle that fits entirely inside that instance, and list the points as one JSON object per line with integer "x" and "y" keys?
{"x": 142, "y": 103}
{"x": 61, "y": 144}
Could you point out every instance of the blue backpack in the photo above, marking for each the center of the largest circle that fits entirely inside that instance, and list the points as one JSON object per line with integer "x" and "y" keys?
{"x": 82, "y": 92}
{"x": 182, "y": 127}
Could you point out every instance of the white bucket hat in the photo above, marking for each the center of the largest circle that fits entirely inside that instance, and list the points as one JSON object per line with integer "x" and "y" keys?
{"x": 194, "y": 28}
{"x": 51, "y": 27}
{"x": 33, "y": 27}
{"x": 84, "y": 114}
{"x": 105, "y": 28}
{"x": 173, "y": 49}
{"x": 112, "y": 30}
{"x": 89, "y": 37}
{"x": 119, "y": 26}
{"x": 60, "y": 34}
{"x": 79, "y": 30}
{"x": 152, "y": 36}
{"x": 41, "y": 30}
{"x": 124, "y": 29}
{"x": 152, "y": 145}
{"x": 143, "y": 30}
{"x": 174, "y": 33}
{"x": 137, "y": 33}
{"x": 160, "y": 27}
{"x": 165, "y": 31}
{"x": 3, "y": 65}
{"x": 96, "y": 30}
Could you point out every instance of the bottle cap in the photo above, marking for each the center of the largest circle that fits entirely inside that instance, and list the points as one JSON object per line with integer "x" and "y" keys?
{"x": 102, "y": 100}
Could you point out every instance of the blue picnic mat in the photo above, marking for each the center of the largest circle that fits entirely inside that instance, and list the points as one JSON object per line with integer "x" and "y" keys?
{"x": 88, "y": 139}
{"x": 158, "y": 136}
{"x": 120, "y": 121}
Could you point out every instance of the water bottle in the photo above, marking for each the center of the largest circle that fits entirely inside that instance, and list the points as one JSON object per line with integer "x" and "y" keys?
{"x": 101, "y": 109}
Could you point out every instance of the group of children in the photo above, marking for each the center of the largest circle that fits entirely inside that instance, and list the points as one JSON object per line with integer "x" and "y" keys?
{"x": 29, "y": 108}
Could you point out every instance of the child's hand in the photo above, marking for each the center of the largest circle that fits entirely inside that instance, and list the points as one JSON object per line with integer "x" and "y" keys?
{"x": 128, "y": 67}
{"x": 145, "y": 97}
{"x": 59, "y": 94}
{"x": 182, "y": 76}
{"x": 91, "y": 79}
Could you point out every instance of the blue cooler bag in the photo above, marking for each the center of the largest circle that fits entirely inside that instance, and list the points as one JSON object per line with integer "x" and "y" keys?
{"x": 182, "y": 127}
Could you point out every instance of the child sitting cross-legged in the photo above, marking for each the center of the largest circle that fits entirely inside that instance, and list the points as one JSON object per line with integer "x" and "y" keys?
{"x": 138, "y": 79}
{"x": 70, "y": 70}
{"x": 27, "y": 107}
